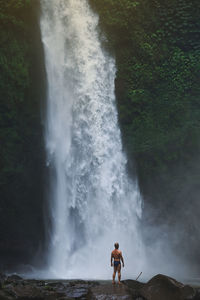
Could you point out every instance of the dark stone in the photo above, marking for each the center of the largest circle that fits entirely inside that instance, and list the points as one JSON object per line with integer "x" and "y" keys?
{"x": 77, "y": 291}
{"x": 2, "y": 276}
{"x": 159, "y": 287}
{"x": 133, "y": 284}
{"x": 17, "y": 288}
{"x": 90, "y": 283}
{"x": 110, "y": 292}
{"x": 197, "y": 296}
{"x": 166, "y": 288}
{"x": 75, "y": 282}
{"x": 56, "y": 284}
{"x": 5, "y": 296}
{"x": 25, "y": 292}
{"x": 41, "y": 283}
{"x": 13, "y": 277}
{"x": 135, "y": 287}
{"x": 2, "y": 280}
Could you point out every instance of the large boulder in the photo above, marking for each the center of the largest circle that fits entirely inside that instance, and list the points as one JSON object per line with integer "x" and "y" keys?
{"x": 162, "y": 287}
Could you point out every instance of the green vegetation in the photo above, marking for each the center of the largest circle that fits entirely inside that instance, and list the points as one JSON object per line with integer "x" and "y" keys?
{"x": 20, "y": 131}
{"x": 14, "y": 83}
{"x": 157, "y": 50}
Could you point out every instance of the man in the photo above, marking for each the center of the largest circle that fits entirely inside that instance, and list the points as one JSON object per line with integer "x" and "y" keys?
{"x": 117, "y": 256}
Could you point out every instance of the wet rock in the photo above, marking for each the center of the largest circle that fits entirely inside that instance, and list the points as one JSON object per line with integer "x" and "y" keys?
{"x": 93, "y": 283}
{"x": 41, "y": 283}
{"x": 135, "y": 287}
{"x": 56, "y": 284}
{"x": 2, "y": 280}
{"x": 5, "y": 296}
{"x": 14, "y": 277}
{"x": 197, "y": 295}
{"x": 110, "y": 292}
{"x": 159, "y": 287}
{"x": 77, "y": 291}
{"x": 27, "y": 292}
{"x": 133, "y": 284}
{"x": 75, "y": 282}
{"x": 17, "y": 288}
{"x": 90, "y": 283}
{"x": 2, "y": 276}
{"x": 166, "y": 288}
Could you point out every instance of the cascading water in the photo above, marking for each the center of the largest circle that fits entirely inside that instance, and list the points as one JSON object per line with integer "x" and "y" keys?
{"x": 93, "y": 202}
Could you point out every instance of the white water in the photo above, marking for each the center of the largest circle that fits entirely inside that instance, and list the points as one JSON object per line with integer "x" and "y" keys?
{"x": 93, "y": 202}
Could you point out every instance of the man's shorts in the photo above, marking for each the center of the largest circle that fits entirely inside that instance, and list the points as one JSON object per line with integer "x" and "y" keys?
{"x": 117, "y": 263}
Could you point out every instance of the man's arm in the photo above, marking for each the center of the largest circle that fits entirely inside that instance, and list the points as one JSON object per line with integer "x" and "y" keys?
{"x": 111, "y": 260}
{"x": 122, "y": 260}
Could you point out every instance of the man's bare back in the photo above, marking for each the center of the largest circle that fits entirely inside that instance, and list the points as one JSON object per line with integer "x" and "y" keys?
{"x": 116, "y": 255}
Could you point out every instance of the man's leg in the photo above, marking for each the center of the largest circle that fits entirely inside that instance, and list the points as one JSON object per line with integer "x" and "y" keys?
{"x": 114, "y": 274}
{"x": 119, "y": 273}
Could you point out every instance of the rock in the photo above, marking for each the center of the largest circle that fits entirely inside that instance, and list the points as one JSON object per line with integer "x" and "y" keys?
{"x": 56, "y": 284}
{"x": 162, "y": 287}
{"x": 2, "y": 276}
{"x": 133, "y": 284}
{"x": 28, "y": 292}
{"x": 75, "y": 282}
{"x": 5, "y": 296}
{"x": 197, "y": 296}
{"x": 135, "y": 287}
{"x": 2, "y": 280}
{"x": 17, "y": 288}
{"x": 13, "y": 278}
{"x": 41, "y": 283}
{"x": 110, "y": 292}
{"x": 159, "y": 287}
{"x": 77, "y": 291}
{"x": 90, "y": 283}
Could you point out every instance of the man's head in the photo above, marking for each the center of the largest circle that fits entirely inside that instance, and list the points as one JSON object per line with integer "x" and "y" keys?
{"x": 116, "y": 245}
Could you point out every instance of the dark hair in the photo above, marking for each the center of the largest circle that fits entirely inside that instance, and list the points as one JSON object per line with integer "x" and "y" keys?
{"x": 116, "y": 245}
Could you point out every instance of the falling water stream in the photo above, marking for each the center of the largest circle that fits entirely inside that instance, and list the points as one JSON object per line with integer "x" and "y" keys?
{"x": 93, "y": 202}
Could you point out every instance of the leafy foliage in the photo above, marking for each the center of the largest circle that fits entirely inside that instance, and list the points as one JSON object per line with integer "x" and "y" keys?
{"x": 158, "y": 57}
{"x": 20, "y": 132}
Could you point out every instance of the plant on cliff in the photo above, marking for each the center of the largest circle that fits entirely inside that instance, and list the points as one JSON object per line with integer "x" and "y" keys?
{"x": 157, "y": 50}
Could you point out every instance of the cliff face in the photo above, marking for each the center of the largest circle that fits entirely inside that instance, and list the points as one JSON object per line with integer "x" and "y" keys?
{"x": 22, "y": 159}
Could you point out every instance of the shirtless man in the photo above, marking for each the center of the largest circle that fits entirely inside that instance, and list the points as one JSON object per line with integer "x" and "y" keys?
{"x": 117, "y": 256}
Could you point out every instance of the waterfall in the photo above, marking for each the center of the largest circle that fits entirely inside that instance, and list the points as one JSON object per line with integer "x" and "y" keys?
{"x": 93, "y": 202}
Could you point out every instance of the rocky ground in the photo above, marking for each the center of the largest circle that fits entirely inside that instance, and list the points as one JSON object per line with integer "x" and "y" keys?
{"x": 159, "y": 287}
